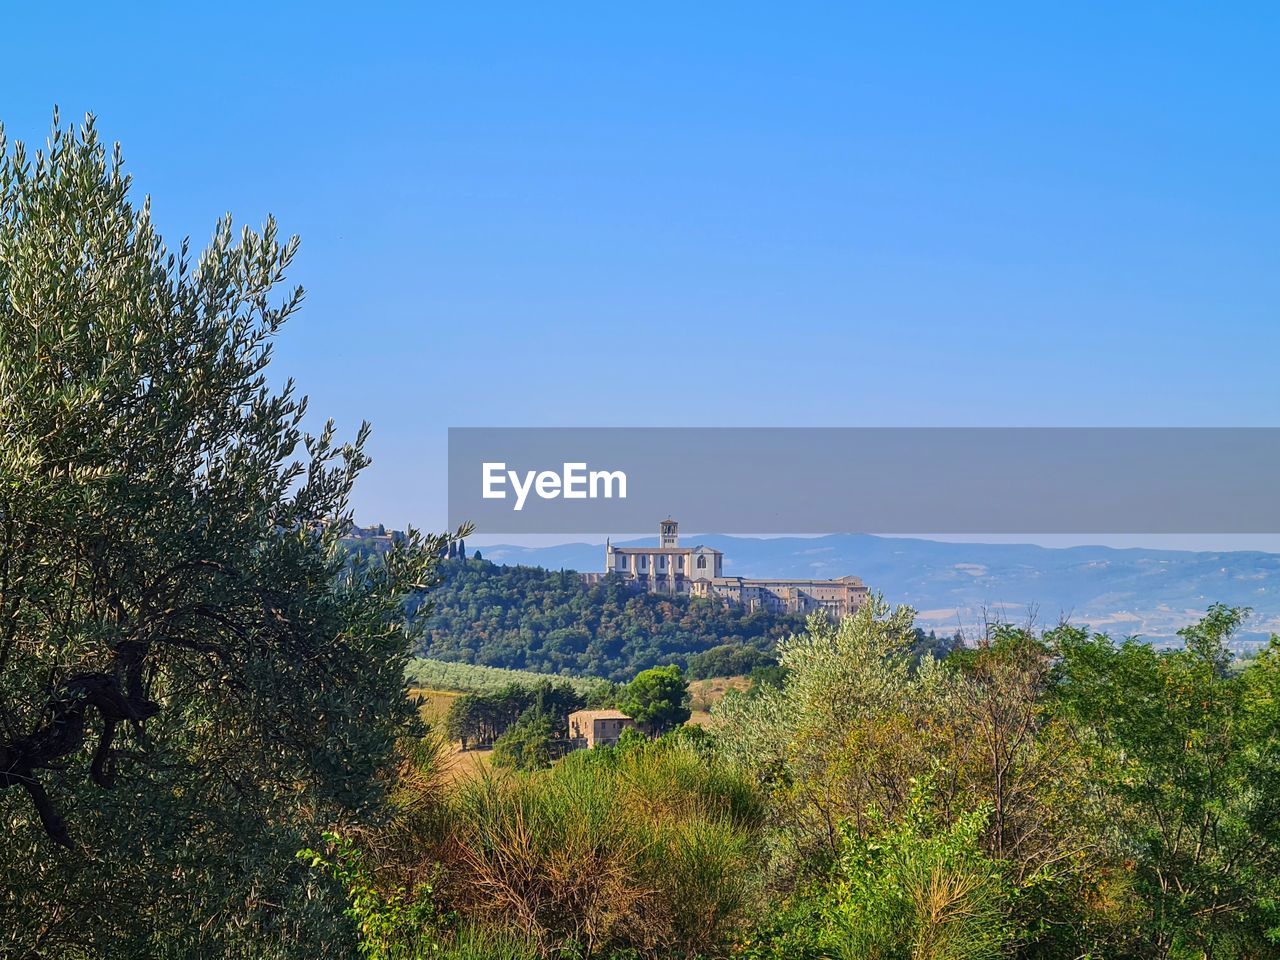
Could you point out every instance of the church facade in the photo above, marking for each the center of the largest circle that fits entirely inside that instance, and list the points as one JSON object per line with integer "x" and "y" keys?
{"x": 698, "y": 572}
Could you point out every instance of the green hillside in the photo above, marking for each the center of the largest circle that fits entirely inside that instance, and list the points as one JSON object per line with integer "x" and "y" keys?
{"x": 545, "y": 621}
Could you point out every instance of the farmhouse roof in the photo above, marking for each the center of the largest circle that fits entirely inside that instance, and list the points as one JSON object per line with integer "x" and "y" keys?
{"x": 600, "y": 715}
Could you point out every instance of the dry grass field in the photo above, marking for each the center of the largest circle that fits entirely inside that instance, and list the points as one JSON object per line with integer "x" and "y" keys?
{"x": 465, "y": 765}
{"x": 462, "y": 765}
{"x": 435, "y": 703}
{"x": 704, "y": 694}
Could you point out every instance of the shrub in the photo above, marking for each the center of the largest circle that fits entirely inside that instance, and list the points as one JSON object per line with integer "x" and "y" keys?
{"x": 527, "y": 743}
{"x": 794, "y": 930}
{"x": 920, "y": 891}
{"x": 647, "y": 849}
{"x": 397, "y": 925}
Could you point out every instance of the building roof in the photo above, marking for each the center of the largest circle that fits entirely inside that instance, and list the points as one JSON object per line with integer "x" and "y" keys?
{"x": 600, "y": 715}
{"x": 679, "y": 550}
{"x": 791, "y": 581}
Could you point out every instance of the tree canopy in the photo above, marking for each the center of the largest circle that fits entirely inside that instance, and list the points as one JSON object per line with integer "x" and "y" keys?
{"x": 194, "y": 677}
{"x": 657, "y": 699}
{"x": 549, "y": 621}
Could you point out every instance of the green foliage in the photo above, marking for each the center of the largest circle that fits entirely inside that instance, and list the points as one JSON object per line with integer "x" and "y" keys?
{"x": 657, "y": 699}
{"x": 795, "y": 929}
{"x": 395, "y": 925}
{"x": 1129, "y": 797}
{"x": 729, "y": 660}
{"x": 486, "y": 943}
{"x": 1188, "y": 754}
{"x": 847, "y": 709}
{"x": 442, "y": 675}
{"x": 195, "y": 679}
{"x": 920, "y": 890}
{"x": 549, "y": 621}
{"x": 629, "y": 739}
{"x": 768, "y": 676}
{"x": 917, "y": 889}
{"x": 526, "y": 744}
{"x": 478, "y": 719}
{"x": 858, "y": 724}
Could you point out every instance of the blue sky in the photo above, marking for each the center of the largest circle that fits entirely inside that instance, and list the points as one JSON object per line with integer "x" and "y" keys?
{"x": 584, "y": 214}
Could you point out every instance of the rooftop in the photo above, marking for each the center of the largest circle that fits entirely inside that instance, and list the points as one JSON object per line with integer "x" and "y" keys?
{"x": 600, "y": 715}
{"x": 680, "y": 550}
{"x": 781, "y": 581}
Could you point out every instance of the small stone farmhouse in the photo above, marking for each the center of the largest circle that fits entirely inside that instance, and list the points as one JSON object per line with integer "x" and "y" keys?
{"x": 591, "y": 728}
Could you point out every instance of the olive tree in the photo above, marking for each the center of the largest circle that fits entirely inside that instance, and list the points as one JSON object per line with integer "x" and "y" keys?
{"x": 842, "y": 734}
{"x": 194, "y": 677}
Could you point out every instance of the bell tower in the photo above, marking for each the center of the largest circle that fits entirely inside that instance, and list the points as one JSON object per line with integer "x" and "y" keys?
{"x": 668, "y": 533}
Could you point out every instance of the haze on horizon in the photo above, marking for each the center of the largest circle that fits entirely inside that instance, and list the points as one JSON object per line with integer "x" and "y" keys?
{"x": 1200, "y": 542}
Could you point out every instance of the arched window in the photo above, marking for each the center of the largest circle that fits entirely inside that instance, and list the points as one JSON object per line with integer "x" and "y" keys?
{"x": 702, "y": 563}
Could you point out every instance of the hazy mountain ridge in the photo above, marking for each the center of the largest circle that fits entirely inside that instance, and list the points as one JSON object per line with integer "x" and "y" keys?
{"x": 1151, "y": 593}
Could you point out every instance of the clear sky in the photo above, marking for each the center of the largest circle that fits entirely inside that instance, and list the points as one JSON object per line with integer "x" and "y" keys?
{"x": 598, "y": 214}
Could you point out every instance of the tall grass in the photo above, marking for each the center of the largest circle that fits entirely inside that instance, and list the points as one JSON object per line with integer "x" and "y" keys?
{"x": 646, "y": 849}
{"x": 481, "y": 943}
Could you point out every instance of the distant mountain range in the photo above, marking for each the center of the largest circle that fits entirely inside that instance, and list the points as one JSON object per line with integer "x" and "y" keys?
{"x": 1149, "y": 593}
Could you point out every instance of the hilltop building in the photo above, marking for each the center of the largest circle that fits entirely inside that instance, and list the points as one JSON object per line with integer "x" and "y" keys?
{"x": 698, "y": 572}
{"x": 666, "y": 568}
{"x": 376, "y": 540}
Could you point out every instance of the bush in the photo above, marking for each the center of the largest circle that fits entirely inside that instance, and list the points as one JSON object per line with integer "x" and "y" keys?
{"x": 916, "y": 890}
{"x": 795, "y": 930}
{"x": 397, "y": 925}
{"x": 920, "y": 891}
{"x": 647, "y": 849}
{"x": 527, "y": 743}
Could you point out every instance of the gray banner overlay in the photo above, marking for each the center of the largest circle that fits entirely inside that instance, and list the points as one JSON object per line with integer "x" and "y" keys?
{"x": 866, "y": 480}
